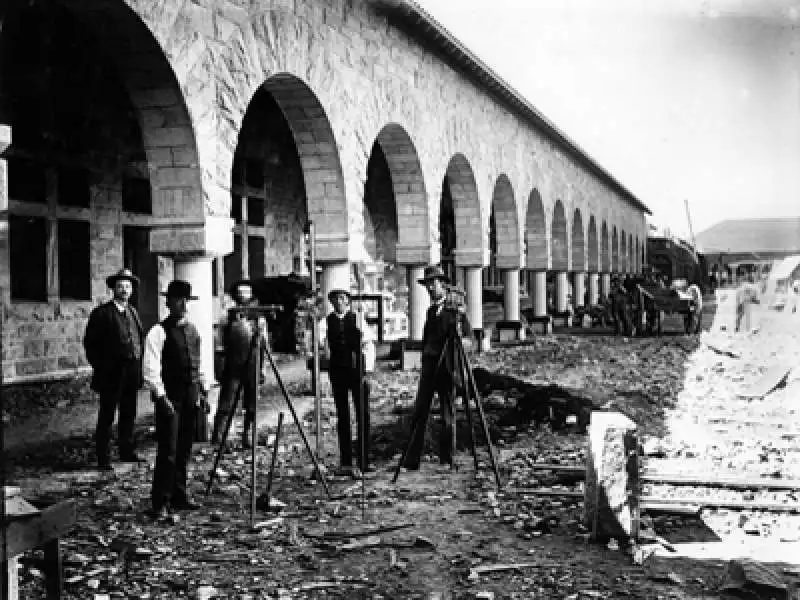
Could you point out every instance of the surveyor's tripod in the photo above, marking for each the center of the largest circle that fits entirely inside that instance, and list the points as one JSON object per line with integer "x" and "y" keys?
{"x": 255, "y": 347}
{"x": 455, "y": 350}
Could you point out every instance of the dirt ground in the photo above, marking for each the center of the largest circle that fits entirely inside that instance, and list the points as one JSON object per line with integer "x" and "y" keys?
{"x": 680, "y": 390}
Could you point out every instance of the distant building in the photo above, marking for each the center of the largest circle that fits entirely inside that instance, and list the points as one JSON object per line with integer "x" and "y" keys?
{"x": 739, "y": 241}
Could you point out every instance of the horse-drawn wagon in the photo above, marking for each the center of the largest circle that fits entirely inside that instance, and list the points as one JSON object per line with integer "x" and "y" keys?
{"x": 652, "y": 302}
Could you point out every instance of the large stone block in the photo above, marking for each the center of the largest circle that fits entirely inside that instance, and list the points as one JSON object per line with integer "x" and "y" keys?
{"x": 612, "y": 488}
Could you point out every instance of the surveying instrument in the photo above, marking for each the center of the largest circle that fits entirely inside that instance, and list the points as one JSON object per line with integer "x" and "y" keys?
{"x": 244, "y": 322}
{"x": 454, "y": 356}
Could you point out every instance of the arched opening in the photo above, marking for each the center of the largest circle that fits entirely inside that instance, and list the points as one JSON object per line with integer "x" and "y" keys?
{"x": 623, "y": 252}
{"x": 637, "y": 264}
{"x": 614, "y": 250}
{"x": 460, "y": 225}
{"x": 559, "y": 247}
{"x": 102, "y": 144}
{"x": 394, "y": 180}
{"x": 605, "y": 254}
{"x": 578, "y": 247}
{"x": 503, "y": 234}
{"x": 535, "y": 233}
{"x": 592, "y": 250}
{"x": 631, "y": 255}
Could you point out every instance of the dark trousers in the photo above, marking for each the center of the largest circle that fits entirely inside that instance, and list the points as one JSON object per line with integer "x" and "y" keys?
{"x": 442, "y": 384}
{"x": 345, "y": 381}
{"x": 174, "y": 437}
{"x": 121, "y": 392}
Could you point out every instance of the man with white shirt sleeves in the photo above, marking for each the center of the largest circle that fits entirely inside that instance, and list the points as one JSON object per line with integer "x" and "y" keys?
{"x": 172, "y": 371}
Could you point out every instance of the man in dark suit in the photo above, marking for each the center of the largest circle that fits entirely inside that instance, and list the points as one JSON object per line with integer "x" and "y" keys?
{"x": 113, "y": 344}
{"x": 172, "y": 371}
{"x": 346, "y": 374}
{"x": 444, "y": 319}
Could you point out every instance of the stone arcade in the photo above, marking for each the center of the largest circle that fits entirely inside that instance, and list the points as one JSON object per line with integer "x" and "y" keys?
{"x": 194, "y": 138}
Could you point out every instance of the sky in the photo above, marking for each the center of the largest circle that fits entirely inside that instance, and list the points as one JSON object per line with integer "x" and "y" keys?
{"x": 694, "y": 100}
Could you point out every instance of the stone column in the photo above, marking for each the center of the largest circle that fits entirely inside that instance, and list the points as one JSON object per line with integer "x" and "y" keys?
{"x": 418, "y": 302}
{"x": 594, "y": 280}
{"x": 474, "y": 285}
{"x": 335, "y": 275}
{"x": 579, "y": 289}
{"x": 562, "y": 287}
{"x": 605, "y": 285}
{"x": 539, "y": 293}
{"x": 197, "y": 271}
{"x": 6, "y": 367}
{"x": 511, "y": 294}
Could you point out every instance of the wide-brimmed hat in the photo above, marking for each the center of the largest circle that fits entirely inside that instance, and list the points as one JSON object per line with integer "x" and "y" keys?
{"x": 112, "y": 280}
{"x": 178, "y": 288}
{"x": 433, "y": 272}
{"x": 338, "y": 292}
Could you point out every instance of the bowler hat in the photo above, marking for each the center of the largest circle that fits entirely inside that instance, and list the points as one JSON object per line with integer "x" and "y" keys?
{"x": 112, "y": 280}
{"x": 433, "y": 272}
{"x": 337, "y": 292}
{"x": 178, "y": 288}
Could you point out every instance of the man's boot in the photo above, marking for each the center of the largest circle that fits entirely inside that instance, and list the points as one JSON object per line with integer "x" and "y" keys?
{"x": 219, "y": 426}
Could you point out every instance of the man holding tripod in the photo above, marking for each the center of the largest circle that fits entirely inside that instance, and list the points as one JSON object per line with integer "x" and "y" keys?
{"x": 442, "y": 369}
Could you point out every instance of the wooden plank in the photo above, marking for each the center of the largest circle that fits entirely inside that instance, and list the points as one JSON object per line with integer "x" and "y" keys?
{"x": 54, "y": 575}
{"x": 769, "y": 381}
{"x": 658, "y": 508}
{"x": 734, "y": 483}
{"x": 32, "y": 532}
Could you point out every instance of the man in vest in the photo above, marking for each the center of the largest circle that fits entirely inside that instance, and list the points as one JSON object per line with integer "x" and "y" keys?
{"x": 113, "y": 344}
{"x": 245, "y": 363}
{"x": 172, "y": 360}
{"x": 444, "y": 319}
{"x": 346, "y": 373}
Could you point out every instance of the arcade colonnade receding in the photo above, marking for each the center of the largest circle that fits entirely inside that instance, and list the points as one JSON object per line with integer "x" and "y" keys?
{"x": 194, "y": 140}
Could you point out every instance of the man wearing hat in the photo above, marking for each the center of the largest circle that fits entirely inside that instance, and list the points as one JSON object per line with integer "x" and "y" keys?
{"x": 113, "y": 345}
{"x": 172, "y": 371}
{"x": 245, "y": 364}
{"x": 346, "y": 374}
{"x": 443, "y": 320}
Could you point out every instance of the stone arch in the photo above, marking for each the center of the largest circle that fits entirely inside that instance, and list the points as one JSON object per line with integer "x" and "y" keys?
{"x": 170, "y": 161}
{"x": 410, "y": 195}
{"x": 504, "y": 209}
{"x": 605, "y": 254}
{"x": 578, "y": 246}
{"x": 535, "y": 233}
{"x": 614, "y": 250}
{"x": 592, "y": 250}
{"x": 460, "y": 224}
{"x": 319, "y": 158}
{"x": 623, "y": 252}
{"x": 559, "y": 243}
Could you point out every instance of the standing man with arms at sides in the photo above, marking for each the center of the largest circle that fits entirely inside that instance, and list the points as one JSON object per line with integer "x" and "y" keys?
{"x": 113, "y": 343}
{"x": 172, "y": 360}
{"x": 245, "y": 365}
{"x": 443, "y": 320}
{"x": 346, "y": 373}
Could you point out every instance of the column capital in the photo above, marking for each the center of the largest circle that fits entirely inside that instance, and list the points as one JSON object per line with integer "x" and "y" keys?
{"x": 409, "y": 256}
{"x": 509, "y": 263}
{"x": 471, "y": 257}
{"x": 5, "y": 137}
{"x": 211, "y": 237}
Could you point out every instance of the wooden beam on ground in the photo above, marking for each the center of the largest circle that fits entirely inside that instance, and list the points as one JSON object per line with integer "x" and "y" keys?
{"x": 34, "y": 531}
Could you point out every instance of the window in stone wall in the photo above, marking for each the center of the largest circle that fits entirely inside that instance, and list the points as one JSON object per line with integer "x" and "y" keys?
{"x": 27, "y": 180}
{"x": 255, "y": 256}
{"x": 74, "y": 275}
{"x": 236, "y": 208}
{"x": 28, "y": 258}
{"x": 255, "y": 212}
{"x": 73, "y": 187}
{"x": 136, "y": 195}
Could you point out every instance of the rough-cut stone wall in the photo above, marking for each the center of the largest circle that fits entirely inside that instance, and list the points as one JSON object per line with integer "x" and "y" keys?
{"x": 364, "y": 74}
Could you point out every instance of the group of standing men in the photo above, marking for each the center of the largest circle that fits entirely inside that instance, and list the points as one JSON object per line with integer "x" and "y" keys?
{"x": 167, "y": 361}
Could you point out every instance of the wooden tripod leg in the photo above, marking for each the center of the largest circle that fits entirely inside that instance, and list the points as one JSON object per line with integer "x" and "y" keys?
{"x": 224, "y": 437}
{"x": 274, "y": 458}
{"x": 467, "y": 408}
{"x": 482, "y": 416}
